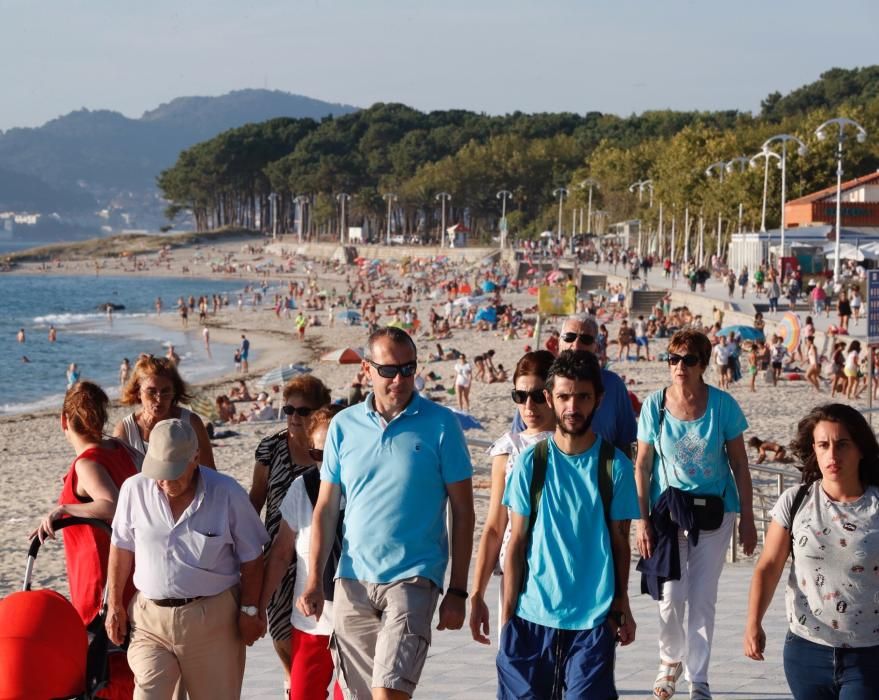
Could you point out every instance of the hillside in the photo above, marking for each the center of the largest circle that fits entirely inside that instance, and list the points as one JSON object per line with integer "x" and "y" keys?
{"x": 105, "y": 153}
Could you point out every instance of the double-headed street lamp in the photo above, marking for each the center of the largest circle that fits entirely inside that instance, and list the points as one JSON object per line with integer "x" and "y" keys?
{"x": 590, "y": 183}
{"x": 342, "y": 197}
{"x": 821, "y": 133}
{"x": 642, "y": 185}
{"x": 740, "y": 163}
{"x": 391, "y": 198}
{"x": 443, "y": 197}
{"x": 767, "y": 155}
{"x": 504, "y": 195}
{"x": 273, "y": 198}
{"x": 784, "y": 139}
{"x": 561, "y": 193}
{"x": 721, "y": 169}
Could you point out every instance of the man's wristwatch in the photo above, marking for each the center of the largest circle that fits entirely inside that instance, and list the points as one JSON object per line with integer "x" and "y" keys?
{"x": 460, "y": 593}
{"x": 250, "y": 610}
{"x": 618, "y": 617}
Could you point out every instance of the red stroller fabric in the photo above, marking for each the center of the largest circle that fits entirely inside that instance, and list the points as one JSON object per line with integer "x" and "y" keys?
{"x": 43, "y": 646}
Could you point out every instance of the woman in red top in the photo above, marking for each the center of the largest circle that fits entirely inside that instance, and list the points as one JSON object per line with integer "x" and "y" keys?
{"x": 90, "y": 490}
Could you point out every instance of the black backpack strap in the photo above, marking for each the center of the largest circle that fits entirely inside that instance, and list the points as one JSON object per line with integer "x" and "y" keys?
{"x": 606, "y": 455}
{"x": 538, "y": 479}
{"x": 311, "y": 481}
{"x": 800, "y": 496}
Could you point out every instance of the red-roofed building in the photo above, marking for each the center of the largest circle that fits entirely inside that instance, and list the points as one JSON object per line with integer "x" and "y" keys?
{"x": 860, "y": 205}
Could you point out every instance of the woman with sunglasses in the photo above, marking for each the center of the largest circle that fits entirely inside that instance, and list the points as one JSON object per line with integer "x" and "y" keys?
{"x": 157, "y": 387}
{"x": 280, "y": 458}
{"x": 311, "y": 662}
{"x": 529, "y": 379}
{"x": 690, "y": 437}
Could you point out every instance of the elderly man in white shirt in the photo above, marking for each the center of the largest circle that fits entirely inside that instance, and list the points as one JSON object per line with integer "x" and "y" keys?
{"x": 196, "y": 543}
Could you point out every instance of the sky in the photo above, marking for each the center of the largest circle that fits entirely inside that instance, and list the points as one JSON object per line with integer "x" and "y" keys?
{"x": 611, "y": 56}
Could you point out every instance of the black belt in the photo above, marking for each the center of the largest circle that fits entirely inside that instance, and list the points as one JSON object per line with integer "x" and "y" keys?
{"x": 174, "y": 602}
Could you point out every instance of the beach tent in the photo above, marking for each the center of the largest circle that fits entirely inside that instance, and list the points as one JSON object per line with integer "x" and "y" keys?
{"x": 345, "y": 356}
{"x": 281, "y": 375}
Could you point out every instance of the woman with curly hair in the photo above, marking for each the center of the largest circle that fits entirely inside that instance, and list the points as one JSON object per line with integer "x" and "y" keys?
{"x": 156, "y": 386}
{"x": 830, "y": 524}
{"x": 280, "y": 458}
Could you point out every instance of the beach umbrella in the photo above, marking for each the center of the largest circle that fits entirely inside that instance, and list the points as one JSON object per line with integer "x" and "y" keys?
{"x": 349, "y": 315}
{"x": 488, "y": 286}
{"x": 743, "y": 332}
{"x": 281, "y": 375}
{"x": 467, "y": 421}
{"x": 345, "y": 356}
{"x": 789, "y": 330}
{"x": 204, "y": 406}
{"x": 464, "y": 301}
{"x": 396, "y": 324}
{"x": 488, "y": 314}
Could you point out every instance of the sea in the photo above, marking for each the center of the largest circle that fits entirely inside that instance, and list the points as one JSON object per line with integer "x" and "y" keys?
{"x": 33, "y": 373}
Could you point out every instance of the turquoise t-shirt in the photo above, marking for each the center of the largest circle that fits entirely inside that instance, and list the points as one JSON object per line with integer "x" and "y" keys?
{"x": 570, "y": 581}
{"x": 393, "y": 479}
{"x": 695, "y": 450}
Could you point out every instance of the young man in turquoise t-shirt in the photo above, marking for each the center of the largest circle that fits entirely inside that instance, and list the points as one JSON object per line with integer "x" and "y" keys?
{"x": 565, "y": 600}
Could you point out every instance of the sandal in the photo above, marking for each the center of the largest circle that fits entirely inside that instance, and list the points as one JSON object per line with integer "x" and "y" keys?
{"x": 699, "y": 691}
{"x": 664, "y": 685}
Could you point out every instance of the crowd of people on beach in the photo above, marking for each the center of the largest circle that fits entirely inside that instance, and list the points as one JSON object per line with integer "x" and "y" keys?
{"x": 340, "y": 550}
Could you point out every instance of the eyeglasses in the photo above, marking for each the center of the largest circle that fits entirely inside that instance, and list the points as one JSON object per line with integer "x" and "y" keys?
{"x": 391, "y": 371}
{"x": 689, "y": 360}
{"x": 316, "y": 454}
{"x": 157, "y": 393}
{"x": 585, "y": 338}
{"x": 300, "y": 410}
{"x": 520, "y": 397}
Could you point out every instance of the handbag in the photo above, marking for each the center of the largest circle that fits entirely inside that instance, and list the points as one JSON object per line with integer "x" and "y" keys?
{"x": 708, "y": 510}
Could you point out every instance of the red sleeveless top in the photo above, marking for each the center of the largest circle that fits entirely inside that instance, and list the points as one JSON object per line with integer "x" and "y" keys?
{"x": 87, "y": 549}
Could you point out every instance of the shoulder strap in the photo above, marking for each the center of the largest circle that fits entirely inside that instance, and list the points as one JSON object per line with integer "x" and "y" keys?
{"x": 311, "y": 481}
{"x": 538, "y": 479}
{"x": 800, "y": 496}
{"x": 606, "y": 455}
{"x": 659, "y": 436}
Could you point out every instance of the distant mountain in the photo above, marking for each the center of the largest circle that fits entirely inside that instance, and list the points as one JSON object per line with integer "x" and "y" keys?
{"x": 104, "y": 153}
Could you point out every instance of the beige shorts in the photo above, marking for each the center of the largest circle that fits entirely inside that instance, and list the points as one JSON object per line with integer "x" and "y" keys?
{"x": 381, "y": 634}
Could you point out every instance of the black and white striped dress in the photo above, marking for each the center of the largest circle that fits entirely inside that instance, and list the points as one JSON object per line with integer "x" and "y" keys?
{"x": 274, "y": 454}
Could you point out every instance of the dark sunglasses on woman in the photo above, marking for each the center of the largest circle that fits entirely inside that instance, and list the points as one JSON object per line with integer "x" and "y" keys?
{"x": 316, "y": 454}
{"x": 536, "y": 395}
{"x": 391, "y": 371}
{"x": 303, "y": 411}
{"x": 688, "y": 360}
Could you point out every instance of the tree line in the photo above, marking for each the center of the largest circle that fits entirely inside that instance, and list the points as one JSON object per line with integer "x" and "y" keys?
{"x": 392, "y": 149}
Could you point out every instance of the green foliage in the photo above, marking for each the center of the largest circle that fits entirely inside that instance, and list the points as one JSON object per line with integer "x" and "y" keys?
{"x": 392, "y": 148}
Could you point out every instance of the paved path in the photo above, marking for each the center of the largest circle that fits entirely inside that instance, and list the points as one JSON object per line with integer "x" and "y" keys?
{"x": 459, "y": 669}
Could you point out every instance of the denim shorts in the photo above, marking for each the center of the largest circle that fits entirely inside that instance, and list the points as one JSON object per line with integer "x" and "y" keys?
{"x": 820, "y": 672}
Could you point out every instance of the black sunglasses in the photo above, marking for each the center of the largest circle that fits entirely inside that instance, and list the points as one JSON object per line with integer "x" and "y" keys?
{"x": 585, "y": 338}
{"x": 303, "y": 411}
{"x": 316, "y": 454}
{"x": 689, "y": 360}
{"x": 391, "y": 371}
{"x": 520, "y": 397}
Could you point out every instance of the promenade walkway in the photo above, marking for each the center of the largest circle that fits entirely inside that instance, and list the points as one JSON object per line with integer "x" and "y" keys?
{"x": 460, "y": 669}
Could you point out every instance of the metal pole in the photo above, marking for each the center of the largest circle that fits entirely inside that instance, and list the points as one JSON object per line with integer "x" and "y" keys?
{"x": 839, "y": 210}
{"x": 687, "y": 233}
{"x": 661, "y": 242}
{"x": 765, "y": 189}
{"x": 672, "y": 255}
{"x": 589, "y": 215}
{"x": 701, "y": 257}
{"x": 783, "y": 196}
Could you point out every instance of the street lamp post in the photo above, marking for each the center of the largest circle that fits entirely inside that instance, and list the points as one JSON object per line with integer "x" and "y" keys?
{"x": 740, "y": 162}
{"x": 590, "y": 183}
{"x": 841, "y": 123}
{"x": 443, "y": 197}
{"x": 642, "y": 185}
{"x": 302, "y": 201}
{"x": 561, "y": 193}
{"x": 784, "y": 139}
{"x": 273, "y": 198}
{"x": 391, "y": 198}
{"x": 767, "y": 155}
{"x": 343, "y": 197}
{"x": 720, "y": 167}
{"x": 504, "y": 195}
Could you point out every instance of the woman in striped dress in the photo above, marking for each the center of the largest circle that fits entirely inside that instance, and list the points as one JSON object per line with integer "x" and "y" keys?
{"x": 280, "y": 458}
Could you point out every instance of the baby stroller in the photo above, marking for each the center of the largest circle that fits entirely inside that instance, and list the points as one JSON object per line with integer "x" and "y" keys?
{"x": 46, "y": 653}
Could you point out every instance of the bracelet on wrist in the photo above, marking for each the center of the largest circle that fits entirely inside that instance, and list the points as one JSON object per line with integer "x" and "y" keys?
{"x": 458, "y": 592}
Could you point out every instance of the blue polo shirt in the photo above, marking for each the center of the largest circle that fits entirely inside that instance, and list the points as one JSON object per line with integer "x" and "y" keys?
{"x": 570, "y": 582}
{"x": 393, "y": 478}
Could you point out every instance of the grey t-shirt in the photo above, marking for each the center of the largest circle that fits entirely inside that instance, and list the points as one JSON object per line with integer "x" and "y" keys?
{"x": 832, "y": 594}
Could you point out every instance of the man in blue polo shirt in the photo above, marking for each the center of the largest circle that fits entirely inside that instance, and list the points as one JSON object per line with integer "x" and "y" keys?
{"x": 396, "y": 458}
{"x": 614, "y": 418}
{"x": 565, "y": 600}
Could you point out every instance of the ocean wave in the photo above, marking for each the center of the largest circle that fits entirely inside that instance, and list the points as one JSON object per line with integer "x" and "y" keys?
{"x": 52, "y": 401}
{"x": 68, "y": 318}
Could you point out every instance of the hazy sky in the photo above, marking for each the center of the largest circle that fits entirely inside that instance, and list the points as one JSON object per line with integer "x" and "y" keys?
{"x": 615, "y": 56}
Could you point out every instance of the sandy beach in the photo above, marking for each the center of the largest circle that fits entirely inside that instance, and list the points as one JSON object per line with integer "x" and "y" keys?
{"x": 34, "y": 454}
